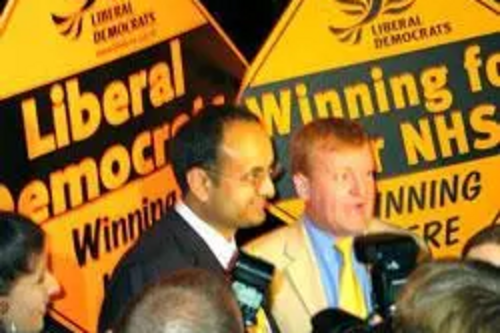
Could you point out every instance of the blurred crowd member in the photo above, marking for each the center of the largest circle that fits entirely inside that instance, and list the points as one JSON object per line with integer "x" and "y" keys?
{"x": 187, "y": 301}
{"x": 333, "y": 170}
{"x": 26, "y": 284}
{"x": 484, "y": 245}
{"x": 223, "y": 161}
{"x": 450, "y": 297}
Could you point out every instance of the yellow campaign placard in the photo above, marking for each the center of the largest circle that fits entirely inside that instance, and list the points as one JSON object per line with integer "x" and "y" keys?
{"x": 421, "y": 76}
{"x": 96, "y": 91}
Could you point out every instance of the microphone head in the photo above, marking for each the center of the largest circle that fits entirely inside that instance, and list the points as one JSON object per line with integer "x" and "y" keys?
{"x": 251, "y": 277}
{"x": 253, "y": 270}
{"x": 392, "y": 258}
{"x": 337, "y": 321}
{"x": 386, "y": 247}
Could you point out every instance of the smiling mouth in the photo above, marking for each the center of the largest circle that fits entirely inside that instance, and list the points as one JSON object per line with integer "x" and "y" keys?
{"x": 360, "y": 206}
{"x": 261, "y": 203}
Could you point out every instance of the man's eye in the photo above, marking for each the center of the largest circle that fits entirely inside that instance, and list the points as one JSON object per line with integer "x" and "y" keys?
{"x": 342, "y": 177}
{"x": 256, "y": 175}
{"x": 40, "y": 278}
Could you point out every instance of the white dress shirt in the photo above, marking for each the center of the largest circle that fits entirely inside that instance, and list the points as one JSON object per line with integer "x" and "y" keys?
{"x": 223, "y": 249}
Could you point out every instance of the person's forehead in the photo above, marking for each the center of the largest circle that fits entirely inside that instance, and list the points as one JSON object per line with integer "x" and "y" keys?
{"x": 344, "y": 156}
{"x": 486, "y": 249}
{"x": 236, "y": 128}
{"x": 488, "y": 252}
{"x": 242, "y": 138}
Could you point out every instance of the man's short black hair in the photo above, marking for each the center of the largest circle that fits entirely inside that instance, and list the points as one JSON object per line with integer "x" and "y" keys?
{"x": 197, "y": 142}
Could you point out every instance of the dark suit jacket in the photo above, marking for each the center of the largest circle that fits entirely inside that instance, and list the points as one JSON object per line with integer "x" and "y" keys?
{"x": 169, "y": 245}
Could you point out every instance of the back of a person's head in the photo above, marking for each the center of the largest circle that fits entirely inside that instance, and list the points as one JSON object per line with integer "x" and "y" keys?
{"x": 197, "y": 142}
{"x": 450, "y": 296}
{"x": 187, "y": 301}
{"x": 20, "y": 240}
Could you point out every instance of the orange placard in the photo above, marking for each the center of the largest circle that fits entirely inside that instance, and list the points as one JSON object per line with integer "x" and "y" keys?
{"x": 95, "y": 92}
{"x": 421, "y": 76}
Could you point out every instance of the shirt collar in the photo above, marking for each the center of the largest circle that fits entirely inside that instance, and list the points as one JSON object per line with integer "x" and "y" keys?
{"x": 223, "y": 249}
{"x": 318, "y": 235}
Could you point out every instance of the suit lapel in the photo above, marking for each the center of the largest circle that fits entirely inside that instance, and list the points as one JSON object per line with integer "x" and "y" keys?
{"x": 270, "y": 319}
{"x": 303, "y": 272}
{"x": 194, "y": 247}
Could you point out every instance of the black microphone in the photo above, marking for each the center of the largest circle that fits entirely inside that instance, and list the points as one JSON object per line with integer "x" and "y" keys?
{"x": 337, "y": 321}
{"x": 391, "y": 257}
{"x": 384, "y": 247}
{"x": 251, "y": 277}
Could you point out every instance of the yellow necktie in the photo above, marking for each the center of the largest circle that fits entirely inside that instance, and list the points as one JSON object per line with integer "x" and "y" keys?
{"x": 350, "y": 293}
{"x": 260, "y": 323}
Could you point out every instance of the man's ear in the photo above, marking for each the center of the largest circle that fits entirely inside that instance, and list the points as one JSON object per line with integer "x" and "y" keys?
{"x": 302, "y": 186}
{"x": 4, "y": 306}
{"x": 199, "y": 183}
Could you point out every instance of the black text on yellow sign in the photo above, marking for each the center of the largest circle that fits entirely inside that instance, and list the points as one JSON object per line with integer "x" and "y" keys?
{"x": 429, "y": 105}
{"x": 94, "y": 133}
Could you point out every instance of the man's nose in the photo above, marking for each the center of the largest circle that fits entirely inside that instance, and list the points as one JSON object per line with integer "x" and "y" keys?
{"x": 266, "y": 188}
{"x": 53, "y": 286}
{"x": 361, "y": 185}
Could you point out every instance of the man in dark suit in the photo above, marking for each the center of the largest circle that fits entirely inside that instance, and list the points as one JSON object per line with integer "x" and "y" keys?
{"x": 223, "y": 161}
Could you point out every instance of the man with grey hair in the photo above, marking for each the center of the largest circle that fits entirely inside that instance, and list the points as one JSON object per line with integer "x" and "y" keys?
{"x": 450, "y": 296}
{"x": 187, "y": 301}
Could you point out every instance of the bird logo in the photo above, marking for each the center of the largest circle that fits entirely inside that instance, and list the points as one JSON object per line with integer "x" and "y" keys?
{"x": 366, "y": 11}
{"x": 71, "y": 25}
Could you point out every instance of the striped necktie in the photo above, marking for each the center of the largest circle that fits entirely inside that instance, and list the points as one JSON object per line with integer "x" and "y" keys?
{"x": 350, "y": 293}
